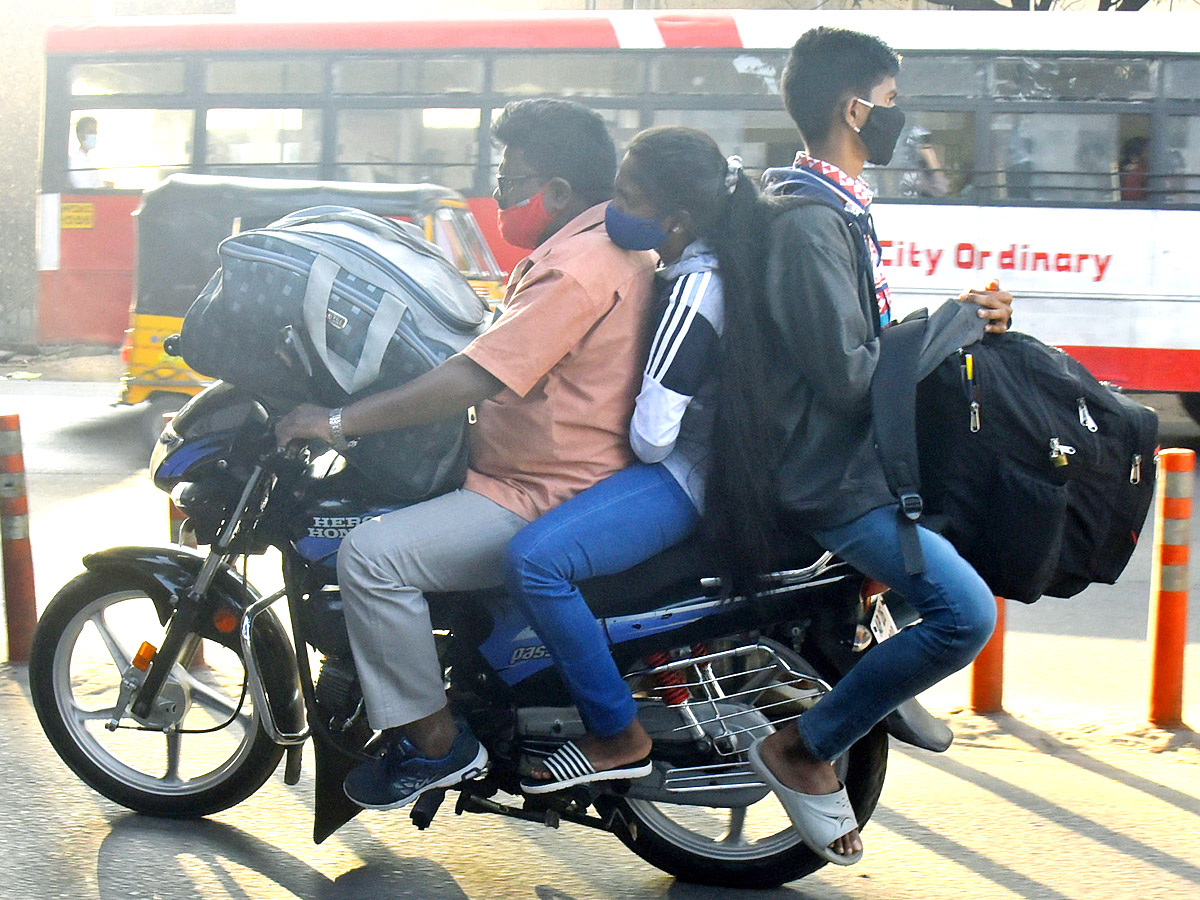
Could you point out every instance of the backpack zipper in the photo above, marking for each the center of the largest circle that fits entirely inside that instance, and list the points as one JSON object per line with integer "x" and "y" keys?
{"x": 1135, "y": 471}
{"x": 969, "y": 368}
{"x": 1085, "y": 417}
{"x": 1059, "y": 452}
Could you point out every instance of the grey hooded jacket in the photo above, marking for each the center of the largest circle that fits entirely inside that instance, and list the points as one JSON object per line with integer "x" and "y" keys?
{"x": 824, "y": 348}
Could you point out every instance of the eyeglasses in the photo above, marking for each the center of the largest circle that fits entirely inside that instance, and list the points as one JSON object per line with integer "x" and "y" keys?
{"x": 504, "y": 182}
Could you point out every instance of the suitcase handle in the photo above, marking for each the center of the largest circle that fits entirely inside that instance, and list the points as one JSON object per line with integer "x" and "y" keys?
{"x": 317, "y": 295}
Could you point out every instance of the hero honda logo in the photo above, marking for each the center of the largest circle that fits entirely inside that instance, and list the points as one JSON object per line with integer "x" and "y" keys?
{"x": 333, "y": 526}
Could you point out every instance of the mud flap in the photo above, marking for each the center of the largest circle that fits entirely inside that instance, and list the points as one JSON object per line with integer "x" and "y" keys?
{"x": 333, "y": 808}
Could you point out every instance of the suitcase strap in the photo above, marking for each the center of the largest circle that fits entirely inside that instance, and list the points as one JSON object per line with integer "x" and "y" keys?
{"x": 351, "y": 378}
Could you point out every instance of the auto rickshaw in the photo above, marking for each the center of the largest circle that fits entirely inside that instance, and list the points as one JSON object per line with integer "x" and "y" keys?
{"x": 181, "y": 221}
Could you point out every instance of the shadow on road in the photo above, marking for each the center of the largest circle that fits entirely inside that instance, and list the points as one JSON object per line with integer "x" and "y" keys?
{"x": 1045, "y": 808}
{"x": 187, "y": 856}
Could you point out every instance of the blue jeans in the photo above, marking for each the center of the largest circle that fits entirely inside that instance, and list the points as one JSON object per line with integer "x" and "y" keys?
{"x": 610, "y": 527}
{"x": 958, "y": 613}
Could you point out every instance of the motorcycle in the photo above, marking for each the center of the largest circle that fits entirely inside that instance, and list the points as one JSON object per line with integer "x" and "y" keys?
{"x": 169, "y": 684}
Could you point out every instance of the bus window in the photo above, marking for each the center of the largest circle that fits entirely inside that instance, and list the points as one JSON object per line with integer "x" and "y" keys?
{"x": 1055, "y": 156}
{"x": 132, "y": 149}
{"x": 436, "y": 145}
{"x": 743, "y": 73}
{"x": 106, "y": 79}
{"x": 762, "y": 138}
{"x": 568, "y": 74}
{"x": 1181, "y": 80}
{"x": 934, "y": 158}
{"x": 1041, "y": 78}
{"x": 450, "y": 75}
{"x": 1181, "y": 181}
{"x": 256, "y": 76}
{"x": 273, "y": 143}
{"x": 942, "y": 76}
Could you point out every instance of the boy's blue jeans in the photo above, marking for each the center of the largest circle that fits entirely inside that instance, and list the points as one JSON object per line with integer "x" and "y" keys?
{"x": 958, "y": 613}
{"x": 610, "y": 527}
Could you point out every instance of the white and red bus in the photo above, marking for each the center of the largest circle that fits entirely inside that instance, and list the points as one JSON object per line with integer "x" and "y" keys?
{"x": 1067, "y": 146}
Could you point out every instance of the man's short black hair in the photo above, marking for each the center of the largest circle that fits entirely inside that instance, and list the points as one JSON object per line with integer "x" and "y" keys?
{"x": 562, "y": 139}
{"x": 85, "y": 124}
{"x": 827, "y": 66}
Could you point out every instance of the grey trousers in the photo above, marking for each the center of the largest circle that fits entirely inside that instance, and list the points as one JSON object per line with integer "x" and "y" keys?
{"x": 453, "y": 542}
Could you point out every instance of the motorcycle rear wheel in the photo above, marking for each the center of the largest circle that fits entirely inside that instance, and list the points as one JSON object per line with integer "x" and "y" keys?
{"x": 748, "y": 847}
{"x": 215, "y": 752}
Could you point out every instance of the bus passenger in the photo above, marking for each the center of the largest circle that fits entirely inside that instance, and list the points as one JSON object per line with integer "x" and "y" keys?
{"x": 553, "y": 382}
{"x": 822, "y": 334}
{"x": 675, "y": 193}
{"x": 83, "y": 171}
{"x": 1133, "y": 169}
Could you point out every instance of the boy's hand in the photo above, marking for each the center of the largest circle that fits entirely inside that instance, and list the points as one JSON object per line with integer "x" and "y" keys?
{"x": 995, "y": 306}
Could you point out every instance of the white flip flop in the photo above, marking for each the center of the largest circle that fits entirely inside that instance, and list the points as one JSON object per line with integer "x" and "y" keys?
{"x": 819, "y": 818}
{"x": 570, "y": 767}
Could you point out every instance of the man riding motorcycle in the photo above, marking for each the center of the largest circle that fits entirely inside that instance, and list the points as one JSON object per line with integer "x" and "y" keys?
{"x": 553, "y": 382}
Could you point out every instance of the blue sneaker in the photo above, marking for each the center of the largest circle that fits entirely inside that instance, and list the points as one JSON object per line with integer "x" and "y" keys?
{"x": 401, "y": 774}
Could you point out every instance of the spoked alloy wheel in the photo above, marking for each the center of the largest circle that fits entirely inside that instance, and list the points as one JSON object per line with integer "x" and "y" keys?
{"x": 201, "y": 749}
{"x": 753, "y": 844}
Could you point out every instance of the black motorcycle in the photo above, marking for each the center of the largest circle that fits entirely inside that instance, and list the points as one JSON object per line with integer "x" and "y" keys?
{"x": 168, "y": 683}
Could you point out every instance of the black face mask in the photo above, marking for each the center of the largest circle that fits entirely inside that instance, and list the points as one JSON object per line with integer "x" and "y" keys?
{"x": 881, "y": 131}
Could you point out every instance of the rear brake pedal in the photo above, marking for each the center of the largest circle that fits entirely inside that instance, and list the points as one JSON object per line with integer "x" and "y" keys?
{"x": 426, "y": 807}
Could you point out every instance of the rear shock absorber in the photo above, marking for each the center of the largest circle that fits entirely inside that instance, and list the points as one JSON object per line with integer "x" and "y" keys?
{"x": 672, "y": 687}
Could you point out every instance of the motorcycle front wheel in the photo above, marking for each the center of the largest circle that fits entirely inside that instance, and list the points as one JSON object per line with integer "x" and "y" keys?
{"x": 202, "y": 749}
{"x": 750, "y": 846}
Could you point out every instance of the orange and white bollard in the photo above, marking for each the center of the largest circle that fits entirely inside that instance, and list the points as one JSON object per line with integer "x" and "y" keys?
{"x": 987, "y": 672}
{"x": 20, "y": 608}
{"x": 1169, "y": 585}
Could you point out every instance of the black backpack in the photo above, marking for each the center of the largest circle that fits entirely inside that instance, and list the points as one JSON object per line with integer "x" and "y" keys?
{"x": 329, "y": 304}
{"x": 1039, "y": 475}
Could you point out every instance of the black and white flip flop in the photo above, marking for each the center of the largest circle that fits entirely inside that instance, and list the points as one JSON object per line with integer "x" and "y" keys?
{"x": 570, "y": 767}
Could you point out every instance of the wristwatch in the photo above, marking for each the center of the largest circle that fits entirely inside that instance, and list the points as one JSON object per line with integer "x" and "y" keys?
{"x": 339, "y": 442}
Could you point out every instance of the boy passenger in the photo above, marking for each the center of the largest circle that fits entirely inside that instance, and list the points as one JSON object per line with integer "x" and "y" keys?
{"x": 823, "y": 336}
{"x": 553, "y": 382}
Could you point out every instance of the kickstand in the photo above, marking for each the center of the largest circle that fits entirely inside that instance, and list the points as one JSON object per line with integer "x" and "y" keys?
{"x": 426, "y": 807}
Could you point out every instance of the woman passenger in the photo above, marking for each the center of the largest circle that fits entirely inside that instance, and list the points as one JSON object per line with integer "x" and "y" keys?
{"x": 675, "y": 193}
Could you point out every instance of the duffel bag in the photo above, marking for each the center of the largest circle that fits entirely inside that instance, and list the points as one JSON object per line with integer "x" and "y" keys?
{"x": 329, "y": 304}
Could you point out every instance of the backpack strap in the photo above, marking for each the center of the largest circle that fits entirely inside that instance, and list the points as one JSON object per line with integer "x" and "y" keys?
{"x": 894, "y": 383}
{"x": 894, "y": 412}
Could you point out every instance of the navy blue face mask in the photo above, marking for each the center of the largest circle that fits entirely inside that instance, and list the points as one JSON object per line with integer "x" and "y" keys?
{"x": 632, "y": 233}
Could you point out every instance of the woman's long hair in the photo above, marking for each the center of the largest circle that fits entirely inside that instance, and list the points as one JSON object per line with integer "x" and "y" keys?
{"x": 683, "y": 169}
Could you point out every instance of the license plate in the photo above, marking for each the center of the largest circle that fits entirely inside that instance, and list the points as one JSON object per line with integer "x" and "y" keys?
{"x": 883, "y": 626}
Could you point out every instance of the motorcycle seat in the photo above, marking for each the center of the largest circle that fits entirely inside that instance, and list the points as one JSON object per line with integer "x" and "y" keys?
{"x": 675, "y": 574}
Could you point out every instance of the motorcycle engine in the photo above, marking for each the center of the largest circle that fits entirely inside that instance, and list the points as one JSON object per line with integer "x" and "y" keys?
{"x": 337, "y": 690}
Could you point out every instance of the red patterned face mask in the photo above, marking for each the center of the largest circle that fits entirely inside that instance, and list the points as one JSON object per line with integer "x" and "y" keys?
{"x": 524, "y": 223}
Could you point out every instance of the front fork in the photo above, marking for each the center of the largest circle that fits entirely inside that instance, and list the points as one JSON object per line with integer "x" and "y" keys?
{"x": 190, "y": 607}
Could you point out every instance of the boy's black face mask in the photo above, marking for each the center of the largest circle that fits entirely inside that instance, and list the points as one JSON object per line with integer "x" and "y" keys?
{"x": 881, "y": 132}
